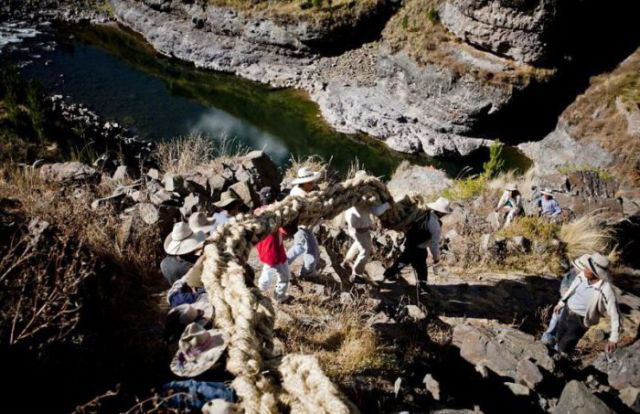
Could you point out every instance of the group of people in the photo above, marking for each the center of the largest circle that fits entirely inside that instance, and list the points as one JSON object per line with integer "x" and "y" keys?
{"x": 510, "y": 205}
{"x": 586, "y": 295}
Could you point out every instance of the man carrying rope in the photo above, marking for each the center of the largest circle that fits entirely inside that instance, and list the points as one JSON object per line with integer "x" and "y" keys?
{"x": 304, "y": 241}
{"x": 421, "y": 235}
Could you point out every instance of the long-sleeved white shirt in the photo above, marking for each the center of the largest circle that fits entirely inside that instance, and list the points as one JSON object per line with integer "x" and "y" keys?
{"x": 507, "y": 200}
{"x": 433, "y": 244}
{"x": 601, "y": 301}
{"x": 359, "y": 218}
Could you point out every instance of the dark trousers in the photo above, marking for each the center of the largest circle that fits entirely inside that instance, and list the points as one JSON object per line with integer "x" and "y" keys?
{"x": 569, "y": 331}
{"x": 414, "y": 256}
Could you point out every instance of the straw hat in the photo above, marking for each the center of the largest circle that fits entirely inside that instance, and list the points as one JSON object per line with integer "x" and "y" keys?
{"x": 597, "y": 263}
{"x": 512, "y": 187}
{"x": 200, "y": 222}
{"x": 306, "y": 175}
{"x": 199, "y": 350}
{"x": 547, "y": 191}
{"x": 227, "y": 198}
{"x": 218, "y": 406}
{"x": 183, "y": 240}
{"x": 441, "y": 205}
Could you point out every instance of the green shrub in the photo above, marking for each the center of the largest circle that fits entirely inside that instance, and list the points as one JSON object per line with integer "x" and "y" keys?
{"x": 496, "y": 162}
{"x": 317, "y": 3}
{"x": 532, "y": 227}
{"x": 405, "y": 22}
{"x": 601, "y": 173}
{"x": 433, "y": 15}
{"x": 465, "y": 188}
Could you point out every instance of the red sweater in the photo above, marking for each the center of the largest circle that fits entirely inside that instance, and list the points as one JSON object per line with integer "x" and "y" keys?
{"x": 271, "y": 249}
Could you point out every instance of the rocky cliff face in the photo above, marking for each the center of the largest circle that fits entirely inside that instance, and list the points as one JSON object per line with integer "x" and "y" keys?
{"x": 413, "y": 106}
{"x": 517, "y": 29}
{"x": 601, "y": 129}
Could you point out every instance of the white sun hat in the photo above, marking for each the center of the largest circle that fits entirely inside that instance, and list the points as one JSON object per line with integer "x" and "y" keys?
{"x": 597, "y": 263}
{"x": 441, "y": 205}
{"x": 306, "y": 175}
{"x": 200, "y": 222}
{"x": 218, "y": 406}
{"x": 199, "y": 350}
{"x": 547, "y": 191}
{"x": 183, "y": 240}
{"x": 512, "y": 187}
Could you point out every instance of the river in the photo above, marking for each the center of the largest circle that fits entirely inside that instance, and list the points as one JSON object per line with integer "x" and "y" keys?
{"x": 118, "y": 74}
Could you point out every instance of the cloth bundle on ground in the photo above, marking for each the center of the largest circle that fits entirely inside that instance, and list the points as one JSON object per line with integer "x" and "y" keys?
{"x": 192, "y": 395}
{"x": 182, "y": 292}
{"x": 199, "y": 350}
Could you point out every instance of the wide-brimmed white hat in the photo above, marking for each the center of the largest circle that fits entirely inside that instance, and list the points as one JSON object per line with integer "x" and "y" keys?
{"x": 199, "y": 350}
{"x": 441, "y": 205}
{"x": 306, "y": 175}
{"x": 218, "y": 406}
{"x": 512, "y": 187}
{"x": 547, "y": 191}
{"x": 597, "y": 263}
{"x": 183, "y": 240}
{"x": 200, "y": 222}
{"x": 227, "y": 198}
{"x": 194, "y": 275}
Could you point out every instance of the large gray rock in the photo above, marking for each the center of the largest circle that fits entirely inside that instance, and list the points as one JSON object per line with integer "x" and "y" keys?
{"x": 410, "y": 178}
{"x": 500, "y": 349}
{"x": 623, "y": 368}
{"x": 559, "y": 149}
{"x": 518, "y": 29}
{"x": 68, "y": 171}
{"x": 577, "y": 399}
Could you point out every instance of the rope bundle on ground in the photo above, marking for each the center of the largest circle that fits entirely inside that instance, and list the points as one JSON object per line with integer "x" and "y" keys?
{"x": 247, "y": 317}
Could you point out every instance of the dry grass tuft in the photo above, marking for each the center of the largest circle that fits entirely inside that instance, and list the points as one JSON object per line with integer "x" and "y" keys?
{"x": 185, "y": 154}
{"x": 533, "y": 228}
{"x": 337, "y": 334}
{"x": 584, "y": 235}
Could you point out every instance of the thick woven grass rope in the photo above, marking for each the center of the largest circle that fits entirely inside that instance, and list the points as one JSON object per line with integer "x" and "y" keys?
{"x": 262, "y": 382}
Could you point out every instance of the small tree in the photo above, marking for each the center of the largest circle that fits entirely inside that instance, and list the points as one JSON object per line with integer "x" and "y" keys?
{"x": 495, "y": 164}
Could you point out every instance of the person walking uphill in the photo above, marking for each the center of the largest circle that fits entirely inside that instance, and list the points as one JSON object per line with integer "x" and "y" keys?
{"x": 422, "y": 235}
{"x": 304, "y": 242}
{"x": 589, "y": 297}
{"x": 359, "y": 226}
{"x": 273, "y": 255}
{"x": 230, "y": 204}
{"x": 510, "y": 204}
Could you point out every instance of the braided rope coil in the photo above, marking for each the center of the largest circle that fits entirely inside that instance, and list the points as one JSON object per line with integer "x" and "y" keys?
{"x": 262, "y": 382}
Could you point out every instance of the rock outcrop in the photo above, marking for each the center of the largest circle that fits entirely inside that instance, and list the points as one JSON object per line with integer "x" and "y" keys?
{"x": 576, "y": 398}
{"x": 599, "y": 129}
{"x": 430, "y": 107}
{"x": 517, "y": 29}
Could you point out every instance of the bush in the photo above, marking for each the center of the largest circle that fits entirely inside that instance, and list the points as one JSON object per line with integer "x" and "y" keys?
{"x": 533, "y": 228}
{"x": 433, "y": 16}
{"x": 496, "y": 162}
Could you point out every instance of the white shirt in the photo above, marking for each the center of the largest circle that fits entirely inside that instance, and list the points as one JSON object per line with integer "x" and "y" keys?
{"x": 359, "y": 217}
{"x": 507, "y": 200}
{"x": 579, "y": 301}
{"x": 297, "y": 191}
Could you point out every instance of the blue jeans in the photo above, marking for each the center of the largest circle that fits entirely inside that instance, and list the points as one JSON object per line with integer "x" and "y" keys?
{"x": 549, "y": 336}
{"x": 305, "y": 244}
{"x": 193, "y": 395}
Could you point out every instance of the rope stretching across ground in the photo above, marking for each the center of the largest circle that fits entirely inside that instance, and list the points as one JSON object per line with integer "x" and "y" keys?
{"x": 263, "y": 382}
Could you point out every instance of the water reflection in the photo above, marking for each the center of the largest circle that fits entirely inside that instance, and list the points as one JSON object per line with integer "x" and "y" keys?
{"x": 222, "y": 126}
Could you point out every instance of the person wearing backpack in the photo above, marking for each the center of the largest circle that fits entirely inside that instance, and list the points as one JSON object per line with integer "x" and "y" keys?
{"x": 421, "y": 236}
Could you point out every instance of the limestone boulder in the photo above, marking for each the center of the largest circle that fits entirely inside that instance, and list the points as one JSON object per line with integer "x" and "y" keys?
{"x": 577, "y": 399}
{"x": 68, "y": 171}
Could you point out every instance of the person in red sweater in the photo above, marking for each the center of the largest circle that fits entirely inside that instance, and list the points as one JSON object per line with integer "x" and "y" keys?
{"x": 273, "y": 255}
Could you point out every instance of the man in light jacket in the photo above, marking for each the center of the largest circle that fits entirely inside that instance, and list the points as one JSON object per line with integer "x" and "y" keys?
{"x": 589, "y": 297}
{"x": 422, "y": 236}
{"x": 304, "y": 242}
{"x": 359, "y": 226}
{"x": 549, "y": 207}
